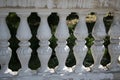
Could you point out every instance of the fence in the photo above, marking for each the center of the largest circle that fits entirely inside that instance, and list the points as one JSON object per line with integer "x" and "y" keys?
{"x": 61, "y": 72}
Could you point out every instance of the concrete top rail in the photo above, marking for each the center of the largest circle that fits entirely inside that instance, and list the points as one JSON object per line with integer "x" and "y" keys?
{"x": 61, "y": 4}
{"x": 29, "y": 10}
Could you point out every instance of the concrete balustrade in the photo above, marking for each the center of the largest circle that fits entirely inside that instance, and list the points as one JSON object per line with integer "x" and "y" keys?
{"x": 61, "y": 72}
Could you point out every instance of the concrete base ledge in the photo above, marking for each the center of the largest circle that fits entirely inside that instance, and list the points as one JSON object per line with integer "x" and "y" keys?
{"x": 69, "y": 76}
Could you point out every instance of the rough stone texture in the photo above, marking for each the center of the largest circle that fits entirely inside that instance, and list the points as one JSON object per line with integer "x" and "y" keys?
{"x": 69, "y": 76}
{"x": 116, "y": 75}
{"x": 61, "y": 3}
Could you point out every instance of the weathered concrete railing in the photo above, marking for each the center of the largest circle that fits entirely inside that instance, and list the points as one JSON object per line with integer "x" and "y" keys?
{"x": 62, "y": 72}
